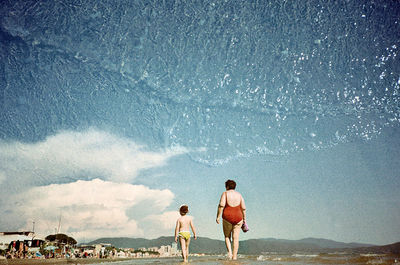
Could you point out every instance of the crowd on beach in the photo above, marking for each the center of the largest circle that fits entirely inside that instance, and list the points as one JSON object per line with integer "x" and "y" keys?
{"x": 79, "y": 252}
{"x": 40, "y": 249}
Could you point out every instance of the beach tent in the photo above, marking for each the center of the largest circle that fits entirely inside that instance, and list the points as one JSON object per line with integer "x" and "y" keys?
{"x": 5, "y": 240}
{"x": 51, "y": 248}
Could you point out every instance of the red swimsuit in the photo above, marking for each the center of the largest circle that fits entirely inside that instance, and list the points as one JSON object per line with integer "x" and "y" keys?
{"x": 231, "y": 214}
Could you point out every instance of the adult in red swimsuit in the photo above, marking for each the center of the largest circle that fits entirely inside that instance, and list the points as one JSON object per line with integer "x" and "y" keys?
{"x": 233, "y": 210}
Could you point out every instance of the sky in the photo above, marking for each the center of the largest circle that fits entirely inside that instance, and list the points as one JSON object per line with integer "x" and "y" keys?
{"x": 113, "y": 115}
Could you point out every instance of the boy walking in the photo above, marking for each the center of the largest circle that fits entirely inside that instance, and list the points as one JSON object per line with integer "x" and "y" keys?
{"x": 182, "y": 230}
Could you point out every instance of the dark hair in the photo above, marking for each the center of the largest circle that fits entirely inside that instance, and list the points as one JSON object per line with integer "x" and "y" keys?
{"x": 230, "y": 184}
{"x": 184, "y": 209}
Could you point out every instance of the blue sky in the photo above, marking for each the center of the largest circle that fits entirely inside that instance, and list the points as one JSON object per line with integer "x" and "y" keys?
{"x": 346, "y": 193}
{"x": 343, "y": 193}
{"x": 113, "y": 115}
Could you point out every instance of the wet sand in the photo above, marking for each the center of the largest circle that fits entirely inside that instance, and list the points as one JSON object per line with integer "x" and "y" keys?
{"x": 276, "y": 259}
{"x": 58, "y": 261}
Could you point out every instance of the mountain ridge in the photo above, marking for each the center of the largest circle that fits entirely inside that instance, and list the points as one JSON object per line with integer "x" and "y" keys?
{"x": 254, "y": 246}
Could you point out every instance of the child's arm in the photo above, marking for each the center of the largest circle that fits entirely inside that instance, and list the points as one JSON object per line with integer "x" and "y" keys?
{"x": 176, "y": 230}
{"x": 193, "y": 228}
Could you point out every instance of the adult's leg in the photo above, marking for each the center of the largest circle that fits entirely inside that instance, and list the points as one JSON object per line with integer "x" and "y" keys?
{"x": 235, "y": 238}
{"x": 183, "y": 247}
{"x": 227, "y": 227}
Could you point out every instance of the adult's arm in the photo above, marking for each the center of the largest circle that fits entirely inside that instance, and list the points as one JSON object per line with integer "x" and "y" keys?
{"x": 221, "y": 206}
{"x": 243, "y": 207}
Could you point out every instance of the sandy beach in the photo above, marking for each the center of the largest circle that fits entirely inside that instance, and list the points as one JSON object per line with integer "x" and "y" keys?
{"x": 273, "y": 259}
{"x": 58, "y": 261}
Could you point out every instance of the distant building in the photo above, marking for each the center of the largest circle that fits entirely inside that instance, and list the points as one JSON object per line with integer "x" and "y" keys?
{"x": 165, "y": 251}
{"x": 100, "y": 249}
{"x": 153, "y": 249}
{"x": 27, "y": 237}
{"x": 22, "y": 233}
{"x": 174, "y": 249}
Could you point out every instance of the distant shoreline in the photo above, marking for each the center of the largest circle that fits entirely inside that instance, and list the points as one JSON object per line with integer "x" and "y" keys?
{"x": 60, "y": 261}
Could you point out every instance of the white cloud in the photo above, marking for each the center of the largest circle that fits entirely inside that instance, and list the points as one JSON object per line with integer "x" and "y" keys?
{"x": 91, "y": 209}
{"x": 88, "y": 209}
{"x": 166, "y": 220}
{"x": 75, "y": 154}
{"x": 2, "y": 177}
{"x": 155, "y": 225}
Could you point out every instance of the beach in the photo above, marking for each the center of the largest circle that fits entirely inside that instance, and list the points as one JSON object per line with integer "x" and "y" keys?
{"x": 60, "y": 261}
{"x": 273, "y": 259}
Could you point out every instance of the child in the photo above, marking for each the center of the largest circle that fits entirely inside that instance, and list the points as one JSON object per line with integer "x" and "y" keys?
{"x": 183, "y": 231}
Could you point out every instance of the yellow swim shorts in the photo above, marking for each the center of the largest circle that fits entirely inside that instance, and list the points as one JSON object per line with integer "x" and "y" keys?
{"x": 184, "y": 234}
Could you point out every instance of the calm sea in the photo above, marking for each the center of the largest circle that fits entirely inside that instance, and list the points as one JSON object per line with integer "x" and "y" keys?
{"x": 278, "y": 259}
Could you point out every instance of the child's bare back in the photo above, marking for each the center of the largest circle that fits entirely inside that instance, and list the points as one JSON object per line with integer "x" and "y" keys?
{"x": 185, "y": 222}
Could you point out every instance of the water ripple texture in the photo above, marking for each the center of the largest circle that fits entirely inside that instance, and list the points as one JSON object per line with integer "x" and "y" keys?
{"x": 226, "y": 79}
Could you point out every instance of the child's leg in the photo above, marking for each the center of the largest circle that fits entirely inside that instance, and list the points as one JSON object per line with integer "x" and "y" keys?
{"x": 183, "y": 247}
{"x": 187, "y": 248}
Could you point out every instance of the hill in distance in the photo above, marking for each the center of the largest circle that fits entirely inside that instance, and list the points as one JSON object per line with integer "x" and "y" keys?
{"x": 387, "y": 249}
{"x": 254, "y": 246}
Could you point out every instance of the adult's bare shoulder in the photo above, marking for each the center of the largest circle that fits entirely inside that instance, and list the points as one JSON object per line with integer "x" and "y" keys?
{"x": 238, "y": 194}
{"x": 222, "y": 200}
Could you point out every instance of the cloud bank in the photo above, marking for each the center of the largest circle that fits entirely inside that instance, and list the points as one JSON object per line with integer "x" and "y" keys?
{"x": 70, "y": 155}
{"x": 84, "y": 178}
{"x": 89, "y": 209}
